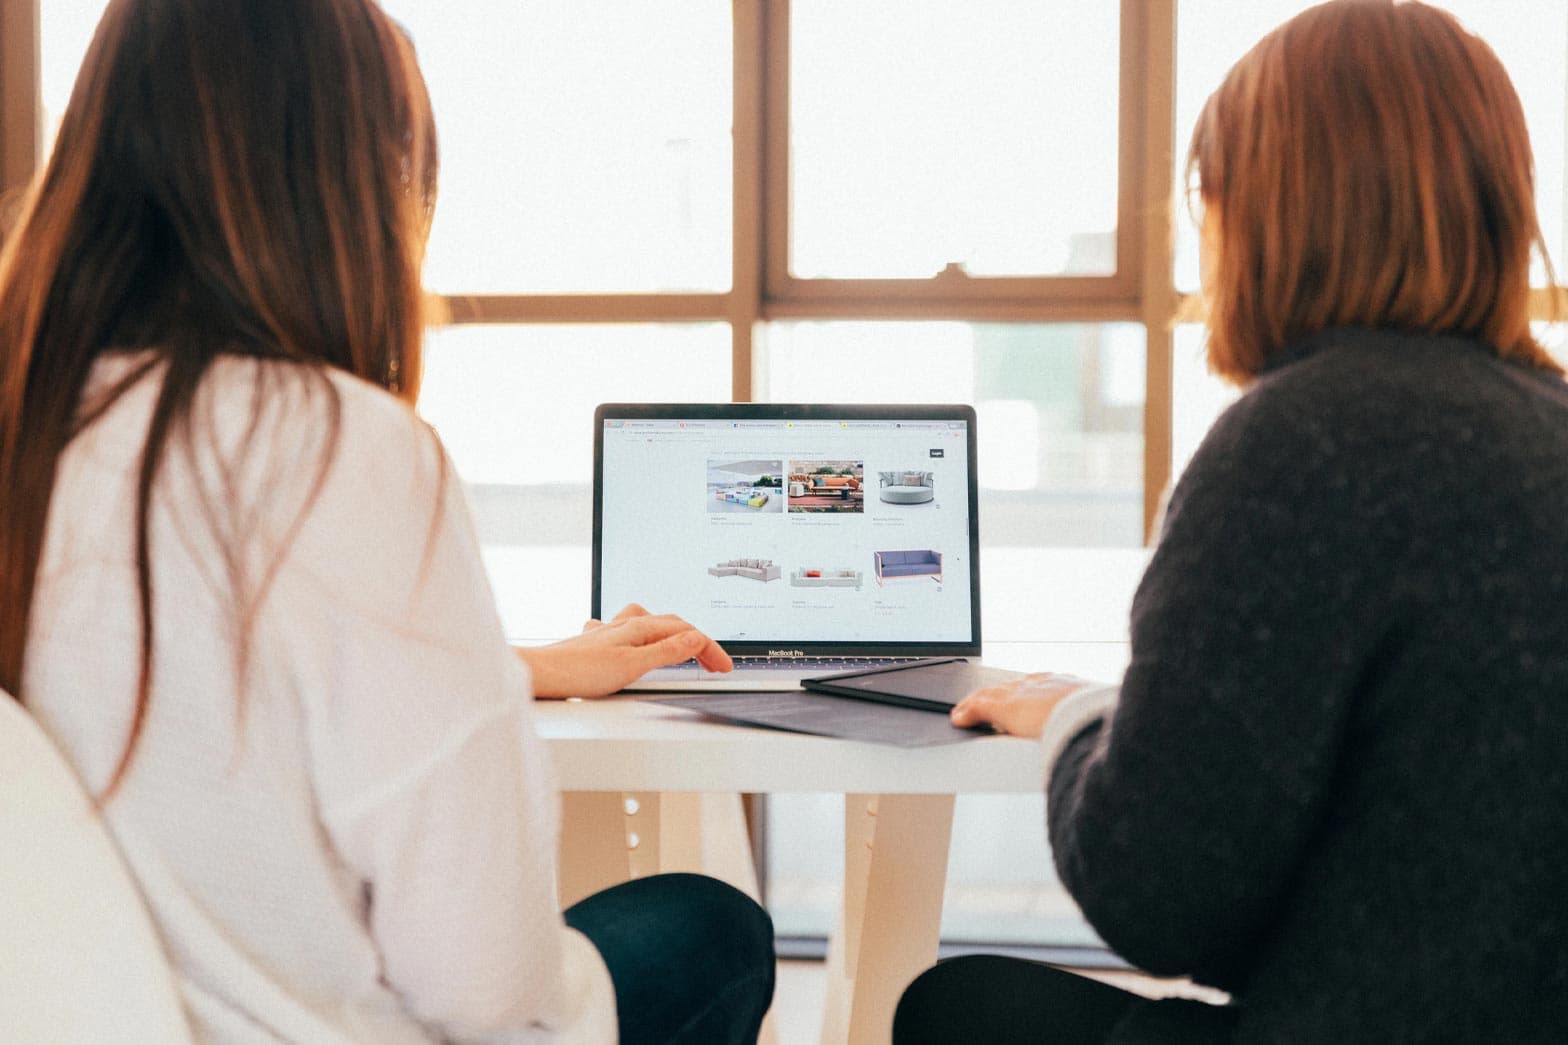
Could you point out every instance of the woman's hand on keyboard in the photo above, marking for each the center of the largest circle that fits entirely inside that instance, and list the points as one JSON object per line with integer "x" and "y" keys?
{"x": 609, "y": 654}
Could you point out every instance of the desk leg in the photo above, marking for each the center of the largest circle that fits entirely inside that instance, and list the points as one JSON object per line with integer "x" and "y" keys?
{"x": 593, "y": 853}
{"x": 612, "y": 837}
{"x": 895, "y": 867}
{"x": 706, "y": 834}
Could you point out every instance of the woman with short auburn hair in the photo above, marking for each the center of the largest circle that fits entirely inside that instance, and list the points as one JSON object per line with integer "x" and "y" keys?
{"x": 1308, "y": 229}
{"x": 1330, "y": 783}
{"x": 240, "y": 589}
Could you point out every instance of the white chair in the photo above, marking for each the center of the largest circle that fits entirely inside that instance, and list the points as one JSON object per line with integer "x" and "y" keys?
{"x": 79, "y": 959}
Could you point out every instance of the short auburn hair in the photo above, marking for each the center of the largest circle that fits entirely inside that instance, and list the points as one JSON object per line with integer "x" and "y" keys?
{"x": 1368, "y": 165}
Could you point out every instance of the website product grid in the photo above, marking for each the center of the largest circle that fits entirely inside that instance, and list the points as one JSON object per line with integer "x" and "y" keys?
{"x": 777, "y": 530}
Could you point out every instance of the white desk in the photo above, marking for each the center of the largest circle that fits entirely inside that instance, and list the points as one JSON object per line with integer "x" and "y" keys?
{"x": 682, "y": 775}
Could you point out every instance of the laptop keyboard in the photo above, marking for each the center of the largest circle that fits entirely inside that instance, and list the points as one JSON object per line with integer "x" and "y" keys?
{"x": 796, "y": 665}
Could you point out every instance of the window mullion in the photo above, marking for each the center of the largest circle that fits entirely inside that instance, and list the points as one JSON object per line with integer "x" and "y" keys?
{"x": 749, "y": 242}
{"x": 775, "y": 156}
{"x": 1152, "y": 26}
{"x": 19, "y": 121}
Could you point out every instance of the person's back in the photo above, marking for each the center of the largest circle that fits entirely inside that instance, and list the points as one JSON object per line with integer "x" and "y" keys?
{"x": 378, "y": 701}
{"x": 1365, "y": 573}
{"x": 1427, "y": 902}
{"x": 238, "y": 581}
{"x": 1330, "y": 780}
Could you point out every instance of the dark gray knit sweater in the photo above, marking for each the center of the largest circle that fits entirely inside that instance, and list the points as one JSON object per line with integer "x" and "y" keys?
{"x": 1336, "y": 783}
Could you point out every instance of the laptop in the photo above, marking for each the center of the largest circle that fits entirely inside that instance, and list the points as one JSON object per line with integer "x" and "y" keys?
{"x": 806, "y": 539}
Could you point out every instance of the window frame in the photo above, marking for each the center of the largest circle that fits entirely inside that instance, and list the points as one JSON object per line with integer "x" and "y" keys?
{"x": 762, "y": 289}
{"x": 19, "y": 95}
{"x": 1116, "y": 293}
{"x": 1140, "y": 291}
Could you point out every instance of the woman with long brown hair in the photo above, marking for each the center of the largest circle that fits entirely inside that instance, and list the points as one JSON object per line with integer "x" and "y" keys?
{"x": 239, "y": 585}
{"x": 1331, "y": 781}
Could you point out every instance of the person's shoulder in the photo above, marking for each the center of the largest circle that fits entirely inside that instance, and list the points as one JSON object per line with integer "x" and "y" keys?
{"x": 314, "y": 389}
{"x": 1354, "y": 389}
{"x": 379, "y": 423}
{"x": 1325, "y": 407}
{"x": 1383, "y": 372}
{"x": 309, "y": 409}
{"x": 1360, "y": 413}
{"x": 317, "y": 436}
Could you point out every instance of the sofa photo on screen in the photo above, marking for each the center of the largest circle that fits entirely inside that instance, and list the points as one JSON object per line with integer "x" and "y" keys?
{"x": 756, "y": 569}
{"x": 923, "y": 562}
{"x": 826, "y": 486}
{"x": 817, "y": 577}
{"x": 744, "y": 495}
{"x": 905, "y": 487}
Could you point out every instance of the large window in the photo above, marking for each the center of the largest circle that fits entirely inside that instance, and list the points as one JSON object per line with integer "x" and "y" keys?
{"x": 905, "y": 160}
{"x": 878, "y": 200}
{"x": 797, "y": 200}
{"x": 585, "y": 147}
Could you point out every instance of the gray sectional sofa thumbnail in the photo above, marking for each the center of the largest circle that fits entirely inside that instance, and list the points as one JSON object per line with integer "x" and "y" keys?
{"x": 756, "y": 569}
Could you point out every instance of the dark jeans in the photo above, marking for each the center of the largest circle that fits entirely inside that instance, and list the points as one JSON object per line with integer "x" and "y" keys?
{"x": 983, "y": 998}
{"x": 1008, "y": 1001}
{"x": 691, "y": 958}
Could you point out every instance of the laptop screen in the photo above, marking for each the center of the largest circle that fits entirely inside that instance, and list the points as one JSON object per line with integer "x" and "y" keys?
{"x": 828, "y": 528}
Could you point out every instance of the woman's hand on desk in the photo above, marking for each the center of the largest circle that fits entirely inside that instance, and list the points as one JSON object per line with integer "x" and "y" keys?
{"x": 1020, "y": 707}
{"x": 609, "y": 654}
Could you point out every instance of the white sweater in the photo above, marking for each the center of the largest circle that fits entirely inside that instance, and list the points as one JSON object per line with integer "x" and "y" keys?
{"x": 356, "y": 844}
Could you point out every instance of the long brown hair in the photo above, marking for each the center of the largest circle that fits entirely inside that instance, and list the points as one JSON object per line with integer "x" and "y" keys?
{"x": 231, "y": 178}
{"x": 1367, "y": 164}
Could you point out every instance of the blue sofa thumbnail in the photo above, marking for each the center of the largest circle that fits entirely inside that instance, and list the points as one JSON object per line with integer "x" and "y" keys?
{"x": 923, "y": 562}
